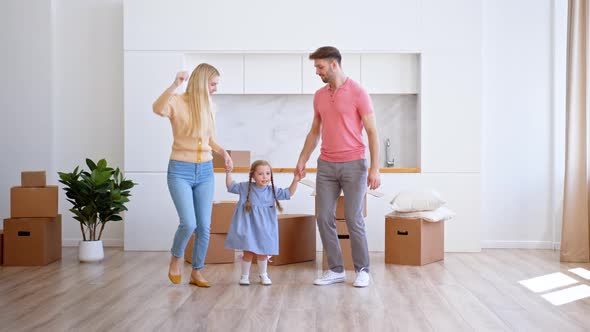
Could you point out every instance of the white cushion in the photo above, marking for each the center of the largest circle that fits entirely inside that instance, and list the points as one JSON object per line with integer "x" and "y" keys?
{"x": 412, "y": 201}
{"x": 441, "y": 214}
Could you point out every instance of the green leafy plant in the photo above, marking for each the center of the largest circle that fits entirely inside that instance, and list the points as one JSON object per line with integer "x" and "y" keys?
{"x": 98, "y": 196}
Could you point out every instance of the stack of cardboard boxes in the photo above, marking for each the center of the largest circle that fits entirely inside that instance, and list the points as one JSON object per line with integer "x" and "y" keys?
{"x": 343, "y": 235}
{"x": 220, "y": 220}
{"x": 32, "y": 234}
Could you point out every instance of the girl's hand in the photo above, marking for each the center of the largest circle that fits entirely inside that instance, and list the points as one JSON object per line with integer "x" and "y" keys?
{"x": 296, "y": 176}
{"x": 300, "y": 170}
{"x": 181, "y": 76}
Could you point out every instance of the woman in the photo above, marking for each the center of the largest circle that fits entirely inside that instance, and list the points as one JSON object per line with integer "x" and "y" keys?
{"x": 190, "y": 170}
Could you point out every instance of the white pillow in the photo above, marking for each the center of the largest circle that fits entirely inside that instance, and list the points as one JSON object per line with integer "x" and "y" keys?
{"x": 412, "y": 201}
{"x": 441, "y": 214}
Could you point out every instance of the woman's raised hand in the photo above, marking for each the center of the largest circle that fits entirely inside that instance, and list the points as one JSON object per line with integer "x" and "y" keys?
{"x": 181, "y": 76}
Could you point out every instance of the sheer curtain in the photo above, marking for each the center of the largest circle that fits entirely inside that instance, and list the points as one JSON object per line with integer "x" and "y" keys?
{"x": 575, "y": 236}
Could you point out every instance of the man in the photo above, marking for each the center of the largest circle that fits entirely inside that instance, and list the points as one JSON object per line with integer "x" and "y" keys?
{"x": 341, "y": 109}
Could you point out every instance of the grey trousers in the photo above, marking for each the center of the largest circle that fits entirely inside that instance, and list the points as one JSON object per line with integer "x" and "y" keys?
{"x": 351, "y": 178}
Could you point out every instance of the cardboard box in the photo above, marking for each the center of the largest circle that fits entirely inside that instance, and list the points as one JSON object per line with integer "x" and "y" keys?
{"x": 216, "y": 253}
{"x": 33, "y": 202}
{"x": 33, "y": 179}
{"x": 221, "y": 216}
{"x": 1, "y": 245}
{"x": 296, "y": 239}
{"x": 413, "y": 241}
{"x": 346, "y": 249}
{"x": 239, "y": 158}
{"x": 32, "y": 241}
{"x": 341, "y": 228}
{"x": 340, "y": 207}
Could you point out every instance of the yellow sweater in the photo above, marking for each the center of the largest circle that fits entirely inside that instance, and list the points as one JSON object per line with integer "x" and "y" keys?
{"x": 193, "y": 149}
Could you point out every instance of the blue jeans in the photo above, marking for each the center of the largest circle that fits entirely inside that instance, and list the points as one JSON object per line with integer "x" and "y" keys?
{"x": 191, "y": 187}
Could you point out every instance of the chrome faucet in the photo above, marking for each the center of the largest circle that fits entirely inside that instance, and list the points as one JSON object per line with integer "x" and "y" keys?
{"x": 388, "y": 154}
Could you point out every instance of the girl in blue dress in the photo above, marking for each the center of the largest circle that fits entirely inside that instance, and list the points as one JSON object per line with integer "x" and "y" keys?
{"x": 254, "y": 226}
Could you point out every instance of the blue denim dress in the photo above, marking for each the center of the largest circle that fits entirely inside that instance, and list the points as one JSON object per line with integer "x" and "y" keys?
{"x": 257, "y": 230}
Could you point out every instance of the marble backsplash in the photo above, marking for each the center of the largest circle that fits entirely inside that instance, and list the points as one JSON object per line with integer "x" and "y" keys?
{"x": 274, "y": 127}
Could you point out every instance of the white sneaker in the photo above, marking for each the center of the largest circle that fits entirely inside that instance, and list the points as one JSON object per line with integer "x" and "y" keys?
{"x": 362, "y": 279}
{"x": 265, "y": 280}
{"x": 245, "y": 280}
{"x": 330, "y": 277}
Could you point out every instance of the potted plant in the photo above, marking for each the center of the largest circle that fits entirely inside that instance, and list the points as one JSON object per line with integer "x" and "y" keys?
{"x": 98, "y": 196}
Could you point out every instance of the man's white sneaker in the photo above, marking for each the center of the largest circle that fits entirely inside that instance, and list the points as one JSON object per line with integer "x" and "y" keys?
{"x": 245, "y": 280}
{"x": 330, "y": 277}
{"x": 265, "y": 280}
{"x": 362, "y": 279}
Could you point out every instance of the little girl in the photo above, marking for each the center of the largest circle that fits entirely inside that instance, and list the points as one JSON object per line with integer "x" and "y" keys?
{"x": 254, "y": 226}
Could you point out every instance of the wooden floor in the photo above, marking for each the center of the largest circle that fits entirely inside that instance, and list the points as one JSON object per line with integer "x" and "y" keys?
{"x": 129, "y": 291}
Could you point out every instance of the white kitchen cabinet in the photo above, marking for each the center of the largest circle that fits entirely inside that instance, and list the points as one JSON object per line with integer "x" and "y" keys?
{"x": 351, "y": 65}
{"x": 394, "y": 73}
{"x": 385, "y": 73}
{"x": 230, "y": 66}
{"x": 311, "y": 81}
{"x": 272, "y": 74}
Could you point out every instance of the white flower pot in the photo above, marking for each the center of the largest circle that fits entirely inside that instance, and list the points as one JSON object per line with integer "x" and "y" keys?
{"x": 90, "y": 251}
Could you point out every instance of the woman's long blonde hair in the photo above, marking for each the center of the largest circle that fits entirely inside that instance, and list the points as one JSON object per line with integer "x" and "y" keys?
{"x": 248, "y": 205}
{"x": 200, "y": 117}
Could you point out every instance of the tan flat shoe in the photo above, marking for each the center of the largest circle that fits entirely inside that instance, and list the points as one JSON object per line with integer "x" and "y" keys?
{"x": 174, "y": 278}
{"x": 199, "y": 283}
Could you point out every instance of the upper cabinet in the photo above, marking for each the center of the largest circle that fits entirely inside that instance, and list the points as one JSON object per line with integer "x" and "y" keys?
{"x": 311, "y": 81}
{"x": 230, "y": 66}
{"x": 390, "y": 73}
{"x": 276, "y": 73}
{"x": 351, "y": 65}
{"x": 272, "y": 74}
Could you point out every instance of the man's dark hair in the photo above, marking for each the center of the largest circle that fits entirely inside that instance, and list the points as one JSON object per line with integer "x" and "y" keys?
{"x": 326, "y": 52}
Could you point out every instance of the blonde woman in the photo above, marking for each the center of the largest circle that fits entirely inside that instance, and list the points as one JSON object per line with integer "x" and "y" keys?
{"x": 190, "y": 170}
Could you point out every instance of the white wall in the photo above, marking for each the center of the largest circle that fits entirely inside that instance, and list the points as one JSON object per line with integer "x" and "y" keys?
{"x": 61, "y": 93}
{"x": 268, "y": 25}
{"x": 88, "y": 84}
{"x": 520, "y": 205}
{"x": 26, "y": 128}
{"x": 520, "y": 108}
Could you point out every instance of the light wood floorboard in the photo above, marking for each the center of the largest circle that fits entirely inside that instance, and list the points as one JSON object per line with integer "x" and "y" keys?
{"x": 130, "y": 291}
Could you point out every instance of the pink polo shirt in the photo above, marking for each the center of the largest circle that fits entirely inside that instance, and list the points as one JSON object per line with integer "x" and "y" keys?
{"x": 341, "y": 112}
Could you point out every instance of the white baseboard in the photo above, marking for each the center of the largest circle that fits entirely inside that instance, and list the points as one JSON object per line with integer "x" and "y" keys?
{"x": 519, "y": 245}
{"x": 105, "y": 242}
{"x": 484, "y": 244}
